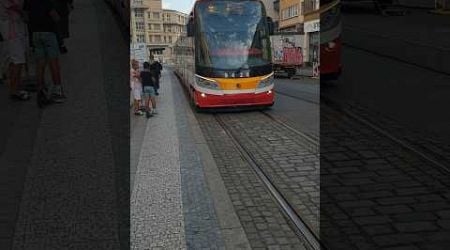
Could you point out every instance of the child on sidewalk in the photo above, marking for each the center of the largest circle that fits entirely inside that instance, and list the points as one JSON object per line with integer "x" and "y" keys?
{"x": 136, "y": 86}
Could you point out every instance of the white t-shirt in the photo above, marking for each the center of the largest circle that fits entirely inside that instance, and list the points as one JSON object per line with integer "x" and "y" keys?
{"x": 135, "y": 83}
{"x": 12, "y": 24}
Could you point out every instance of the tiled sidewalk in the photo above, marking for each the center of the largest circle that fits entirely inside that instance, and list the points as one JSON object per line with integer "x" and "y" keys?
{"x": 177, "y": 202}
{"x": 58, "y": 165}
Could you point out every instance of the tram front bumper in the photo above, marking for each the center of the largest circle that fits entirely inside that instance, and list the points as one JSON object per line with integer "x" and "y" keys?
{"x": 234, "y": 100}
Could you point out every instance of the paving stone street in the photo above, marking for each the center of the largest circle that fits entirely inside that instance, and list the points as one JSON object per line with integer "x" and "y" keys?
{"x": 174, "y": 190}
{"x": 369, "y": 192}
{"x": 384, "y": 136}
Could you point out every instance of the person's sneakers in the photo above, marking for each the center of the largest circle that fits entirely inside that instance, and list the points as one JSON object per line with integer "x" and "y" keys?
{"x": 154, "y": 112}
{"x": 20, "y": 96}
{"x": 57, "y": 98}
{"x": 42, "y": 98}
{"x": 138, "y": 112}
{"x": 57, "y": 94}
{"x": 148, "y": 114}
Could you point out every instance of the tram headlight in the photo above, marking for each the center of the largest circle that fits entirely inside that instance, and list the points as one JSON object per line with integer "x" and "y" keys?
{"x": 266, "y": 82}
{"x": 206, "y": 83}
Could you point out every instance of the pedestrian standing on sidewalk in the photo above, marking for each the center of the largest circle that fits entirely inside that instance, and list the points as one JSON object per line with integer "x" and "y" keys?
{"x": 148, "y": 84}
{"x": 14, "y": 34}
{"x": 43, "y": 19}
{"x": 136, "y": 86}
{"x": 63, "y": 7}
{"x": 156, "y": 69}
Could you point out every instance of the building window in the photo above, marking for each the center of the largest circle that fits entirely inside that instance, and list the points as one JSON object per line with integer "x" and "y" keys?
{"x": 156, "y": 15}
{"x": 290, "y": 12}
{"x": 140, "y": 38}
{"x": 140, "y": 26}
{"x": 138, "y": 13}
{"x": 150, "y": 38}
{"x": 170, "y": 39}
{"x": 309, "y": 6}
{"x": 158, "y": 38}
{"x": 157, "y": 26}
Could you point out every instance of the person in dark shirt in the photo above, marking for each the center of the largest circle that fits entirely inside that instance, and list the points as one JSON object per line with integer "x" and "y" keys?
{"x": 43, "y": 20}
{"x": 148, "y": 80}
{"x": 156, "y": 69}
{"x": 63, "y": 7}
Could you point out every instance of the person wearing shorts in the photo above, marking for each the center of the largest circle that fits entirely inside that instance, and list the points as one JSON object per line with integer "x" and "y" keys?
{"x": 148, "y": 84}
{"x": 136, "y": 86}
{"x": 43, "y": 19}
{"x": 14, "y": 45}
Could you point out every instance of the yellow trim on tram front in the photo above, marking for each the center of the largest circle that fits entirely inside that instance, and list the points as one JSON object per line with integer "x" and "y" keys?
{"x": 239, "y": 83}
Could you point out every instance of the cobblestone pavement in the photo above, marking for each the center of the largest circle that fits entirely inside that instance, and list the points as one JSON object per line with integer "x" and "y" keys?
{"x": 202, "y": 228}
{"x": 171, "y": 204}
{"x": 263, "y": 222}
{"x": 297, "y": 104}
{"x": 427, "y": 142}
{"x": 18, "y": 133}
{"x": 116, "y": 75}
{"x": 156, "y": 205}
{"x": 67, "y": 201}
{"x": 376, "y": 194}
{"x": 284, "y": 156}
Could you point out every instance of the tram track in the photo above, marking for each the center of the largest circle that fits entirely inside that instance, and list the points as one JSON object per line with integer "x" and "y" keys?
{"x": 331, "y": 104}
{"x": 313, "y": 141}
{"x": 300, "y": 226}
{"x": 334, "y": 105}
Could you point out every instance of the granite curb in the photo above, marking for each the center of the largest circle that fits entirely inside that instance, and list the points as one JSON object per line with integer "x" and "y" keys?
{"x": 233, "y": 233}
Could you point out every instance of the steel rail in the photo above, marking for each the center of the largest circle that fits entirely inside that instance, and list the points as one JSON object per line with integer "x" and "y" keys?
{"x": 301, "y": 227}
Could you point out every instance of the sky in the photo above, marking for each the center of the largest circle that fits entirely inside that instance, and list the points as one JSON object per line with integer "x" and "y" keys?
{"x": 180, "y": 5}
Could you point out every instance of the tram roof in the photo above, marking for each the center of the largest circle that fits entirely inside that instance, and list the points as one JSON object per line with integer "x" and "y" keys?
{"x": 191, "y": 14}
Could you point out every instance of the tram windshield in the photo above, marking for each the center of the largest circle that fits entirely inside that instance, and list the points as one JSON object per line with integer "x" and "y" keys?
{"x": 232, "y": 35}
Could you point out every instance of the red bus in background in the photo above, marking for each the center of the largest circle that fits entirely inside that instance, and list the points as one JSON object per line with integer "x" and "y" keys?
{"x": 330, "y": 39}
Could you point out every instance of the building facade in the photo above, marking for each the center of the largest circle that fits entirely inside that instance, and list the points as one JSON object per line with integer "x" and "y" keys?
{"x": 290, "y": 18}
{"x": 157, "y": 28}
{"x": 302, "y": 17}
{"x": 311, "y": 28}
{"x": 174, "y": 25}
{"x": 138, "y": 20}
{"x": 272, "y": 10}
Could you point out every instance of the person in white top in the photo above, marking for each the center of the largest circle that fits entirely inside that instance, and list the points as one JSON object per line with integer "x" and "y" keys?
{"x": 14, "y": 45}
{"x": 136, "y": 86}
